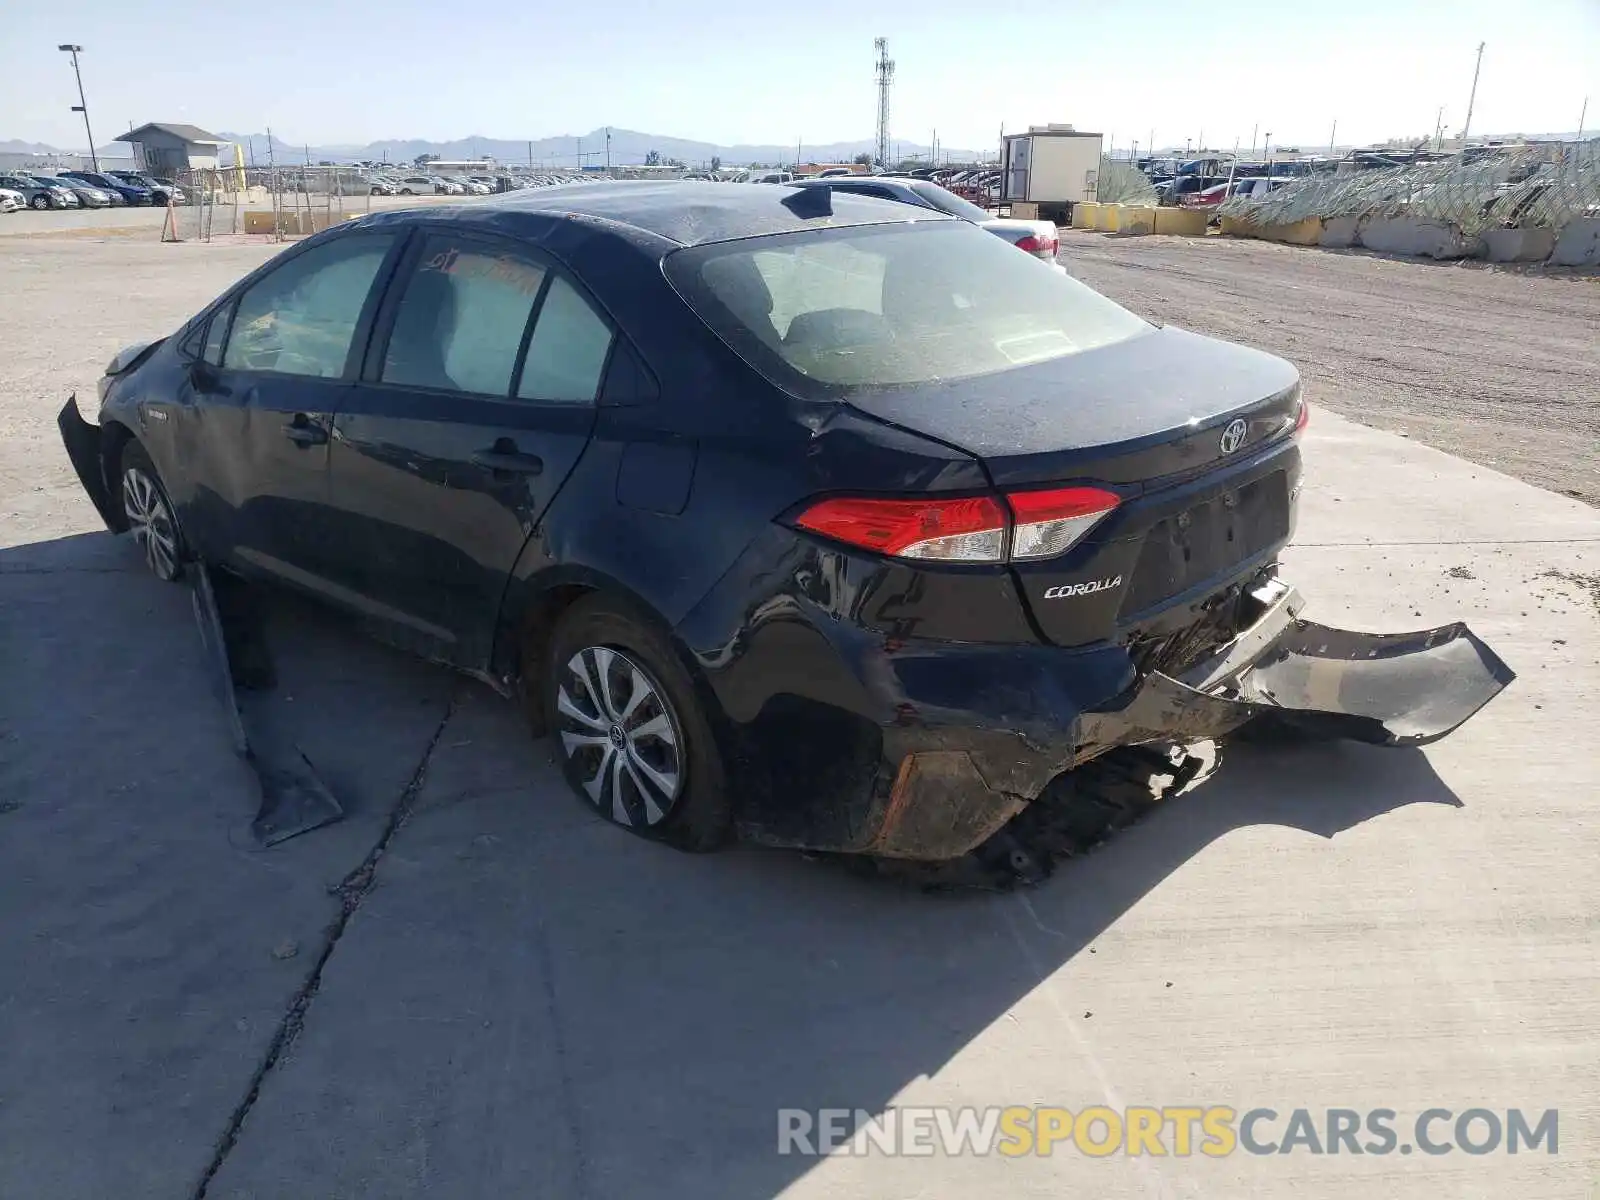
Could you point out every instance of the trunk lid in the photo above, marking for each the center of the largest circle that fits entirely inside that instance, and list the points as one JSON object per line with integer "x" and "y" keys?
{"x": 1140, "y": 409}
{"x": 1204, "y": 503}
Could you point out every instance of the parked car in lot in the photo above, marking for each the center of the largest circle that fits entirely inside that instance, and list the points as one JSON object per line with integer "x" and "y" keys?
{"x": 1038, "y": 238}
{"x": 88, "y": 195}
{"x": 11, "y": 200}
{"x": 133, "y": 193}
{"x": 423, "y": 185}
{"x": 840, "y": 524}
{"x": 39, "y": 193}
{"x": 161, "y": 190}
{"x": 378, "y": 185}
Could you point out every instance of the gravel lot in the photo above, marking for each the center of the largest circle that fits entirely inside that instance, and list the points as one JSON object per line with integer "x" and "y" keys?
{"x": 1500, "y": 367}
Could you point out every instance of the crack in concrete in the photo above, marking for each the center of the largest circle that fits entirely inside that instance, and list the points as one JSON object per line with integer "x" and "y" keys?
{"x": 350, "y": 891}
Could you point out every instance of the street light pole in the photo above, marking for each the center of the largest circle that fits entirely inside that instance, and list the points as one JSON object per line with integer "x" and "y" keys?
{"x": 82, "y": 105}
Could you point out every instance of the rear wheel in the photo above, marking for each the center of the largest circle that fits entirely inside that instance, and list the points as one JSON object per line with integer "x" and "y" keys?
{"x": 151, "y": 518}
{"x": 41, "y": 201}
{"x": 629, "y": 729}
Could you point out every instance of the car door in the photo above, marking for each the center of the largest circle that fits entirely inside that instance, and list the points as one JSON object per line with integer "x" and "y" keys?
{"x": 255, "y": 411}
{"x": 476, "y": 401}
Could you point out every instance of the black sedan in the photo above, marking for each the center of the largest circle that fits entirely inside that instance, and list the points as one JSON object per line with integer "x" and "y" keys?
{"x": 820, "y": 517}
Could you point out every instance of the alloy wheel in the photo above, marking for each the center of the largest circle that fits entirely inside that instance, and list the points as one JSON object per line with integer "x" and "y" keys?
{"x": 151, "y": 522}
{"x": 621, "y": 738}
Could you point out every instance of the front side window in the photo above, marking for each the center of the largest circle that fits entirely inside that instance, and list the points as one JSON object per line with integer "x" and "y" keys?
{"x": 826, "y": 311}
{"x": 567, "y": 353}
{"x": 302, "y": 318}
{"x": 462, "y": 317}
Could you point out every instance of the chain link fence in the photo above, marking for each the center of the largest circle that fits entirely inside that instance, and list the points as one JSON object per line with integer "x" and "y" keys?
{"x": 1123, "y": 183}
{"x": 1542, "y": 186}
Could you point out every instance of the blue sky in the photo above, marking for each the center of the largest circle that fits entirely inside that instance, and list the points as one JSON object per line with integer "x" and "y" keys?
{"x": 325, "y": 71}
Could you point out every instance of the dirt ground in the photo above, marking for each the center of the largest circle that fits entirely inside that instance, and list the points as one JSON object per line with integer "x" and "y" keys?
{"x": 1499, "y": 366}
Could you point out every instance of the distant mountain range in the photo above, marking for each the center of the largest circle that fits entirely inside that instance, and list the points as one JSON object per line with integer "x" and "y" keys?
{"x": 627, "y": 147}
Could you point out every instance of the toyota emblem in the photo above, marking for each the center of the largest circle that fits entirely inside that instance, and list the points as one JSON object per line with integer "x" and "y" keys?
{"x": 1233, "y": 436}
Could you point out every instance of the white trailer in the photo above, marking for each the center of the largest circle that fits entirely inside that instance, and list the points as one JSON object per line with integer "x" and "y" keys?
{"x": 1047, "y": 170}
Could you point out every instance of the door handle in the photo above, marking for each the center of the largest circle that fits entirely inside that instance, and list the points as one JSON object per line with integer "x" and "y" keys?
{"x": 303, "y": 432}
{"x": 504, "y": 456}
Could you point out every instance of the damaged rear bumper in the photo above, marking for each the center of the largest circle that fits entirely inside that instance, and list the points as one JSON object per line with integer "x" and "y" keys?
{"x": 1405, "y": 689}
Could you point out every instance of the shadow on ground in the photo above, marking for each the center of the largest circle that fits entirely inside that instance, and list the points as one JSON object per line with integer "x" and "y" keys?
{"x": 528, "y": 1002}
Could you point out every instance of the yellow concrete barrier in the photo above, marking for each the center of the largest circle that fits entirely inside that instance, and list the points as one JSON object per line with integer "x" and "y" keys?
{"x": 1190, "y": 222}
{"x": 1300, "y": 233}
{"x": 1136, "y": 219}
{"x": 1239, "y": 227}
{"x": 1083, "y": 214}
{"x": 1106, "y": 217}
{"x": 291, "y": 223}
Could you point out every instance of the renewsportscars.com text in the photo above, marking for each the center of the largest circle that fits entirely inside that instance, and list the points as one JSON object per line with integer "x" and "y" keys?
{"x": 1215, "y": 1131}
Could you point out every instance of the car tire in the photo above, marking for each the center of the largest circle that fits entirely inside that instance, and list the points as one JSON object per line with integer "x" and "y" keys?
{"x": 629, "y": 728}
{"x": 150, "y": 514}
{"x": 40, "y": 202}
{"x": 407, "y": 192}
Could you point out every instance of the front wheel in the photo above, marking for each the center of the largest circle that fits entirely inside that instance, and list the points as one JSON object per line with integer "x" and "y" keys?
{"x": 151, "y": 517}
{"x": 41, "y": 202}
{"x": 630, "y": 731}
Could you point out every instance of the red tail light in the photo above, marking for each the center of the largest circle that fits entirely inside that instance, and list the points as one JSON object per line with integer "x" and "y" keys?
{"x": 976, "y": 529}
{"x": 1302, "y": 419}
{"x": 1034, "y": 244}
{"x": 967, "y": 530}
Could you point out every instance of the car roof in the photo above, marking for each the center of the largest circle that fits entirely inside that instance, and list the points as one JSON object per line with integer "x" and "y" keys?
{"x": 691, "y": 213}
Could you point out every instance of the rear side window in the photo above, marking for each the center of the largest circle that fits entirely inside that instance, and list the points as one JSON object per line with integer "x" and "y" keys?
{"x": 567, "y": 353}
{"x": 462, "y": 318}
{"x": 826, "y": 311}
{"x": 301, "y": 318}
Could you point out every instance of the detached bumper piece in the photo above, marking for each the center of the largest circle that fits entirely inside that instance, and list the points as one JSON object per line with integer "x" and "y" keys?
{"x": 293, "y": 799}
{"x": 82, "y": 441}
{"x": 1387, "y": 689}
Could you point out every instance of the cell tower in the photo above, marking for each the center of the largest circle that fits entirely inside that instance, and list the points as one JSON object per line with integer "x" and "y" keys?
{"x": 885, "y": 79}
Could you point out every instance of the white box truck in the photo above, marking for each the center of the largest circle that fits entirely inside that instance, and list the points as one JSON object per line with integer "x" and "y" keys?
{"x": 1047, "y": 170}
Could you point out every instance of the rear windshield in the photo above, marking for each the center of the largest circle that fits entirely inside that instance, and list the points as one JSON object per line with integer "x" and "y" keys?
{"x": 827, "y": 311}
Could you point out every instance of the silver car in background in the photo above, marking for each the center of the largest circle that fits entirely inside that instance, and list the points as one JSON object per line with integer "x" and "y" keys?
{"x": 1038, "y": 238}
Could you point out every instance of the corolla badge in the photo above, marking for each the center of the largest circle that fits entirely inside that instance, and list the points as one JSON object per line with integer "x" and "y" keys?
{"x": 1062, "y": 591}
{"x": 1233, "y": 436}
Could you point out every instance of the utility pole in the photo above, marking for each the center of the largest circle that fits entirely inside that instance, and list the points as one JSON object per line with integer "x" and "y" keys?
{"x": 82, "y": 105}
{"x": 1582, "y": 113}
{"x": 608, "y": 149}
{"x": 1472, "y": 96}
{"x": 1332, "y": 134}
{"x": 1438, "y": 130}
{"x": 270, "y": 163}
{"x": 1254, "y": 129}
{"x": 885, "y": 76}
{"x": 530, "y": 156}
